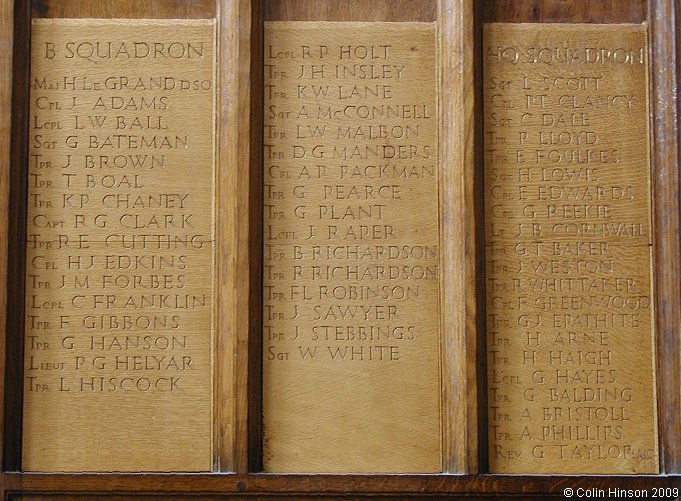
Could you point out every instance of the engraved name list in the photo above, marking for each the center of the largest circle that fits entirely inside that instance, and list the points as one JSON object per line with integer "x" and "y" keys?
{"x": 351, "y": 258}
{"x": 568, "y": 250}
{"x": 119, "y": 251}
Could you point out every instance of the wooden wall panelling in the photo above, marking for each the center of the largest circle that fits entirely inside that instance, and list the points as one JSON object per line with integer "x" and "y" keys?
{"x": 234, "y": 131}
{"x": 677, "y": 20}
{"x": 6, "y": 42}
{"x": 221, "y": 486}
{"x": 106, "y": 390}
{"x": 663, "y": 19}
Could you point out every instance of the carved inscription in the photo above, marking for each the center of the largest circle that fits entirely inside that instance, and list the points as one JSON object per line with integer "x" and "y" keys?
{"x": 568, "y": 250}
{"x": 351, "y": 341}
{"x": 119, "y": 251}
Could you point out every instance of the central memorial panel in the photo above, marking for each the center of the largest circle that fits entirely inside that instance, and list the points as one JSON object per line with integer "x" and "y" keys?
{"x": 351, "y": 379}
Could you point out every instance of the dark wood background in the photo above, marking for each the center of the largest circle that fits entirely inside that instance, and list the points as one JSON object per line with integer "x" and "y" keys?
{"x": 240, "y": 139}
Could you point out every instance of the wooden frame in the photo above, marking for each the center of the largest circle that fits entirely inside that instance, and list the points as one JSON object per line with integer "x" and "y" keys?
{"x": 237, "y": 374}
{"x": 665, "y": 145}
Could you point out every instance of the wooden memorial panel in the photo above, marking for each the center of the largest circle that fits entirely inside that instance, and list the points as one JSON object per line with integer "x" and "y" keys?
{"x": 120, "y": 254}
{"x": 568, "y": 250}
{"x": 351, "y": 234}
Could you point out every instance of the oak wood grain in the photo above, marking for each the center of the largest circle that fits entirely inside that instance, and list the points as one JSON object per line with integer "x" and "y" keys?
{"x": 254, "y": 85}
{"x": 664, "y": 38}
{"x": 255, "y": 485}
{"x": 241, "y": 153}
{"x": 564, "y": 11}
{"x": 350, "y": 10}
{"x": 152, "y": 9}
{"x": 460, "y": 285}
{"x": 225, "y": 419}
{"x": 663, "y": 17}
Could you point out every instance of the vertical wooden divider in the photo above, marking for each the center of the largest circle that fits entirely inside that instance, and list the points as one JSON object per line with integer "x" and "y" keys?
{"x": 226, "y": 328}
{"x": 459, "y": 257}
{"x": 240, "y": 256}
{"x": 666, "y": 184}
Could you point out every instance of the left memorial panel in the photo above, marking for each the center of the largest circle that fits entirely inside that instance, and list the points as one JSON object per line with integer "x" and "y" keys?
{"x": 120, "y": 252}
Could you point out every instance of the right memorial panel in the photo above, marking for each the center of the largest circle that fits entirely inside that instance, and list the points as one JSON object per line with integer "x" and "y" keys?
{"x": 571, "y": 383}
